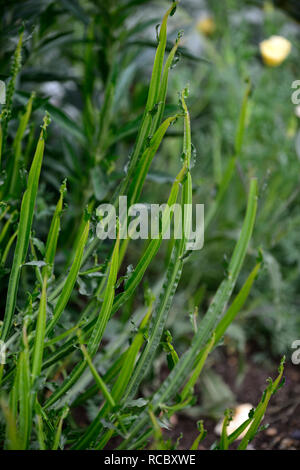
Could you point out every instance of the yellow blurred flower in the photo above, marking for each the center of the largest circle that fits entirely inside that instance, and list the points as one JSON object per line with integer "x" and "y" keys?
{"x": 206, "y": 26}
{"x": 240, "y": 415}
{"x": 297, "y": 111}
{"x": 275, "y": 50}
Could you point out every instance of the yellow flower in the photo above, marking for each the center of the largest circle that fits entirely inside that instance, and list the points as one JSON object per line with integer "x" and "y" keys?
{"x": 206, "y": 26}
{"x": 275, "y": 50}
{"x": 240, "y": 415}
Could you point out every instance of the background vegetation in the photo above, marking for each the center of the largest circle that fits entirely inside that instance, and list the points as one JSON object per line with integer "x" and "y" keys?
{"x": 88, "y": 64}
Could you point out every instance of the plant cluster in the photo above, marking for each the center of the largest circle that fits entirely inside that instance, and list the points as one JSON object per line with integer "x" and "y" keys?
{"x": 82, "y": 330}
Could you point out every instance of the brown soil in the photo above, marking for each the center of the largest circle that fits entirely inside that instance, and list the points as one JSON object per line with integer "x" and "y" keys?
{"x": 283, "y": 414}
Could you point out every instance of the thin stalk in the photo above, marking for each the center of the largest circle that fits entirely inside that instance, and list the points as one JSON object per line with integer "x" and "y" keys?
{"x": 26, "y": 218}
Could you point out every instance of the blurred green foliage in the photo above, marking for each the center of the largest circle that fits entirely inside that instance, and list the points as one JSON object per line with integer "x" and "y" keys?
{"x": 73, "y": 49}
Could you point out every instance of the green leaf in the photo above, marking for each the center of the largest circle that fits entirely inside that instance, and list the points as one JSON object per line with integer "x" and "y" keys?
{"x": 98, "y": 328}
{"x": 71, "y": 278}
{"x": 54, "y": 228}
{"x": 39, "y": 340}
{"x": 25, "y": 223}
{"x": 13, "y": 176}
{"x": 183, "y": 367}
{"x": 259, "y": 412}
{"x": 118, "y": 389}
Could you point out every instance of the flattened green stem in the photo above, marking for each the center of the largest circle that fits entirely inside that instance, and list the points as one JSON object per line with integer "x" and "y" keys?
{"x": 40, "y": 432}
{"x": 160, "y": 315}
{"x": 152, "y": 99}
{"x": 118, "y": 389}
{"x": 133, "y": 281}
{"x": 131, "y": 285}
{"x": 141, "y": 171}
{"x": 219, "y": 302}
{"x": 71, "y": 278}
{"x": 187, "y": 142}
{"x": 185, "y": 363}
{"x": 163, "y": 87}
{"x": 39, "y": 340}
{"x": 97, "y": 331}
{"x": 146, "y": 160}
{"x": 172, "y": 276}
{"x": 53, "y": 234}
{"x": 158, "y": 62}
{"x": 17, "y": 147}
{"x": 108, "y": 377}
{"x": 99, "y": 381}
{"x": 156, "y": 96}
{"x": 261, "y": 408}
{"x": 26, "y": 218}
{"x": 6, "y": 226}
{"x": 224, "y": 441}
{"x": 24, "y": 387}
{"x": 16, "y": 65}
{"x": 200, "y": 437}
{"x": 106, "y": 308}
{"x": 59, "y": 429}
{"x": 25, "y": 402}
